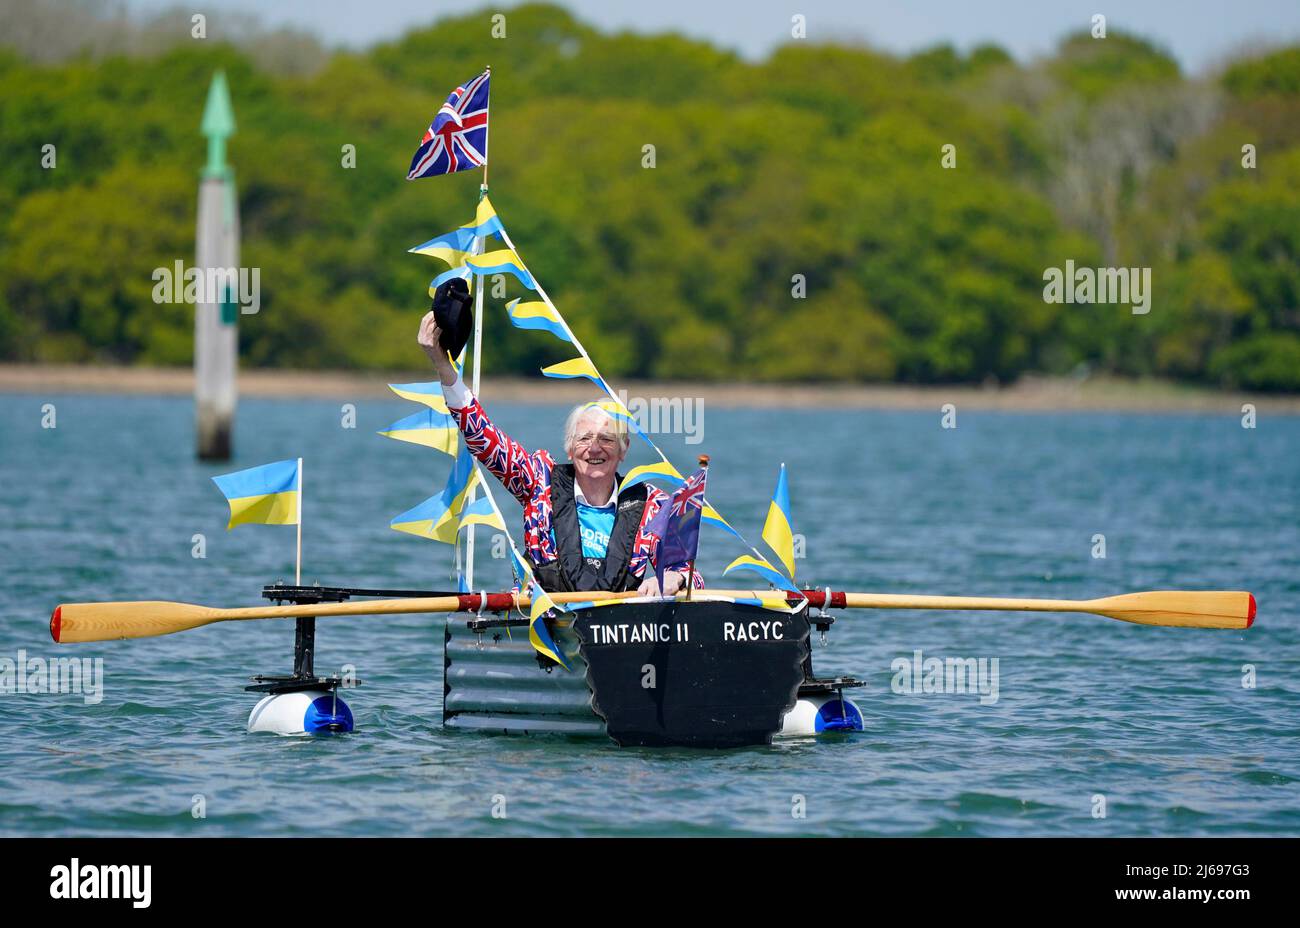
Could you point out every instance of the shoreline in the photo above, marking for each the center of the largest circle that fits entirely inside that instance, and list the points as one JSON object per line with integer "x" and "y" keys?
{"x": 1030, "y": 394}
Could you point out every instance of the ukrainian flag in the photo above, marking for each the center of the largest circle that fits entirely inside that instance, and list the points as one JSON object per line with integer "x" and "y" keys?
{"x": 432, "y": 429}
{"x": 774, "y": 601}
{"x": 438, "y": 517}
{"x": 763, "y": 568}
{"x": 481, "y": 512}
{"x": 458, "y": 245}
{"x": 266, "y": 494}
{"x": 463, "y": 273}
{"x": 659, "y": 471}
{"x": 537, "y": 316}
{"x": 575, "y": 367}
{"x": 454, "y": 247}
{"x": 504, "y": 261}
{"x": 537, "y": 631}
{"x": 776, "y": 530}
{"x": 485, "y": 220}
{"x": 711, "y": 516}
{"x": 523, "y": 576}
{"x": 430, "y": 394}
{"x": 620, "y": 413}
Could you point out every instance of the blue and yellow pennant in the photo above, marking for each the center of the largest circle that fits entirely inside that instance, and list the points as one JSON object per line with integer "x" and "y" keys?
{"x": 538, "y": 634}
{"x": 761, "y": 566}
{"x": 429, "y": 428}
{"x": 503, "y": 261}
{"x": 777, "y": 530}
{"x": 438, "y": 517}
{"x": 538, "y": 316}
{"x": 576, "y": 367}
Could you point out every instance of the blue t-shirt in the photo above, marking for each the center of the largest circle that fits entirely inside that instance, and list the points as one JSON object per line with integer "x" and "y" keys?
{"x": 595, "y": 524}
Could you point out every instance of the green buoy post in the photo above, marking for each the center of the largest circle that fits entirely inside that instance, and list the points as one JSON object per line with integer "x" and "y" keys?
{"x": 216, "y": 247}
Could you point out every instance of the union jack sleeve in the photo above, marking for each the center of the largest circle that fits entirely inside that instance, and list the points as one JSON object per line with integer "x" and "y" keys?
{"x": 510, "y": 462}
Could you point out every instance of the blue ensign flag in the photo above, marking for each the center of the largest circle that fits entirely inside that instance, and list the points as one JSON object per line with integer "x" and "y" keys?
{"x": 456, "y": 140}
{"x": 677, "y": 523}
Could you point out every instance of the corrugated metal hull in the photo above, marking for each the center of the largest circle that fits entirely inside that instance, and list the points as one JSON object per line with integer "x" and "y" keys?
{"x": 492, "y": 683}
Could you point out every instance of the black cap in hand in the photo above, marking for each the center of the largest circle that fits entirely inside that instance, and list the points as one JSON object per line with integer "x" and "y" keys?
{"x": 452, "y": 312}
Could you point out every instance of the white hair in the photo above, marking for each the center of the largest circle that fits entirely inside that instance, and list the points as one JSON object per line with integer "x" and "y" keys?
{"x": 596, "y": 413}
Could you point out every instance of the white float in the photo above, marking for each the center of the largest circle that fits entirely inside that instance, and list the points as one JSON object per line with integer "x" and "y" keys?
{"x": 310, "y": 712}
{"x": 816, "y": 715}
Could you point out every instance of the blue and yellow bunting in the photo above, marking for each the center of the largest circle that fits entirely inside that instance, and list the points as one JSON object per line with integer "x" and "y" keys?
{"x": 266, "y": 495}
{"x": 711, "y": 516}
{"x": 503, "y": 261}
{"x": 615, "y": 409}
{"x": 660, "y": 471}
{"x": 430, "y": 394}
{"x": 538, "y": 316}
{"x": 454, "y": 247}
{"x": 768, "y": 600}
{"x": 457, "y": 246}
{"x": 432, "y": 429}
{"x": 485, "y": 220}
{"x": 464, "y": 273}
{"x": 481, "y": 512}
{"x": 763, "y": 568}
{"x": 538, "y": 634}
{"x": 576, "y": 367}
{"x": 776, "y": 530}
{"x": 437, "y": 518}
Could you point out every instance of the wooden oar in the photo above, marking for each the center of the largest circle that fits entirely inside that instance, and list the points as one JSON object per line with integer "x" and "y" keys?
{"x": 110, "y": 621}
{"x": 74, "y": 622}
{"x": 1176, "y": 608}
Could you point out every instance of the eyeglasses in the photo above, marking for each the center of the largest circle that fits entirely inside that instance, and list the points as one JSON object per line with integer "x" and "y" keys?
{"x": 605, "y": 439}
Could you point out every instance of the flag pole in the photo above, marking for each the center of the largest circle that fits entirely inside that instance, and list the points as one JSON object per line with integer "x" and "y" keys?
{"x": 480, "y": 245}
{"x": 297, "y": 567}
{"x": 690, "y": 573}
{"x": 487, "y": 130}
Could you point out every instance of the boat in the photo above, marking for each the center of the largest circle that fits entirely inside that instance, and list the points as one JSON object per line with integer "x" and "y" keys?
{"x": 707, "y": 672}
{"x": 717, "y": 669}
{"x": 703, "y": 668}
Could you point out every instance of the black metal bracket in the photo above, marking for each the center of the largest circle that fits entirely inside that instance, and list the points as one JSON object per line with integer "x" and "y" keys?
{"x": 304, "y": 642}
{"x": 481, "y": 624}
{"x": 284, "y": 593}
{"x": 811, "y": 686}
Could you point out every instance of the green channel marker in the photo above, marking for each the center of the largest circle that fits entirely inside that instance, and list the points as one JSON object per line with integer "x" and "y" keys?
{"x": 218, "y": 124}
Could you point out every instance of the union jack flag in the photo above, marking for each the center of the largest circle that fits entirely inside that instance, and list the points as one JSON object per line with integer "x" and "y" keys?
{"x": 456, "y": 140}
{"x": 690, "y": 495}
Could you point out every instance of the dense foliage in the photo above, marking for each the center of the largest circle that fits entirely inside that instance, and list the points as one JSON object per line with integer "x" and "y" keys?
{"x": 822, "y": 161}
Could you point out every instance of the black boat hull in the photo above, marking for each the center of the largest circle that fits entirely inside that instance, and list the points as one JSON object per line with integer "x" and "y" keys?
{"x": 699, "y": 674}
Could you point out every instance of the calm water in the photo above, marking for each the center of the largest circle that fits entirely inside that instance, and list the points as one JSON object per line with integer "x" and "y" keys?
{"x": 105, "y": 506}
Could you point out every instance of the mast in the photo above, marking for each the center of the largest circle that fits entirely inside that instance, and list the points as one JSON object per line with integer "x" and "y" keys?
{"x": 480, "y": 245}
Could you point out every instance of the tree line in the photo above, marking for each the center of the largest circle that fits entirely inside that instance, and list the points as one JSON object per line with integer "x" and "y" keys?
{"x": 829, "y": 213}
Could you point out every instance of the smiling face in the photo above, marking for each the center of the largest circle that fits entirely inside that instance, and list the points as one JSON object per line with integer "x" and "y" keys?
{"x": 596, "y": 448}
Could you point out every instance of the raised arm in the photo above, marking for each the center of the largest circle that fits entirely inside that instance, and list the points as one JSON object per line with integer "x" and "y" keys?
{"x": 506, "y": 459}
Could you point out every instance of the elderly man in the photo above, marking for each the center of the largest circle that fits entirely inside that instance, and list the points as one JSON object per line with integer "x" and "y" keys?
{"x": 579, "y": 532}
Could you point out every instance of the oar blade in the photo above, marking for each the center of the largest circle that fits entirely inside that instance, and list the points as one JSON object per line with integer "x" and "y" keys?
{"x": 1231, "y": 609}
{"x": 76, "y": 622}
